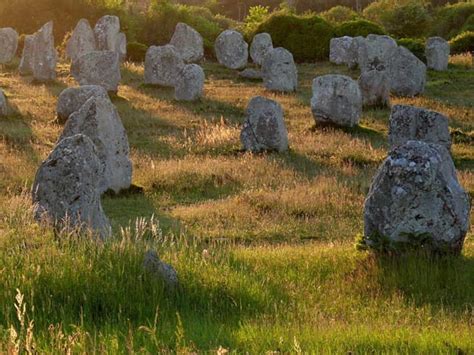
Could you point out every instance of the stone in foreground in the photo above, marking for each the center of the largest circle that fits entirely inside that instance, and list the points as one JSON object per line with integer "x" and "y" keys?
{"x": 26, "y": 62}
{"x": 8, "y": 44}
{"x": 99, "y": 120}
{"x": 82, "y": 41}
{"x": 340, "y": 50}
{"x": 437, "y": 53}
{"x": 71, "y": 99}
{"x": 231, "y": 50}
{"x": 375, "y": 88}
{"x": 163, "y": 65}
{"x": 190, "y": 84}
{"x": 98, "y": 68}
{"x": 188, "y": 42}
{"x": 65, "y": 190}
{"x": 414, "y": 123}
{"x": 160, "y": 270}
{"x": 264, "y": 128}
{"x": 279, "y": 71}
{"x": 261, "y": 45}
{"x": 3, "y": 104}
{"x": 44, "y": 54}
{"x": 337, "y": 100}
{"x": 416, "y": 199}
{"x": 407, "y": 73}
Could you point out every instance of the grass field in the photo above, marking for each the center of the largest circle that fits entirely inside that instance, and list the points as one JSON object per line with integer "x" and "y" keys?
{"x": 263, "y": 244}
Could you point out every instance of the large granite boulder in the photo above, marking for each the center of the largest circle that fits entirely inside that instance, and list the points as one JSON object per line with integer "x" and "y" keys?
{"x": 108, "y": 36}
{"x": 414, "y": 123}
{"x": 336, "y": 99}
{"x": 264, "y": 128}
{"x": 231, "y": 50}
{"x": 437, "y": 53}
{"x": 26, "y": 62}
{"x": 99, "y": 120}
{"x": 355, "y": 52}
{"x": 407, "y": 73}
{"x": 44, "y": 54}
{"x": 416, "y": 200}
{"x": 65, "y": 191}
{"x": 72, "y": 99}
{"x": 121, "y": 46}
{"x": 261, "y": 44}
{"x": 3, "y": 104}
{"x": 375, "y": 50}
{"x": 163, "y": 65}
{"x": 279, "y": 71}
{"x": 375, "y": 87}
{"x": 8, "y": 44}
{"x": 98, "y": 68}
{"x": 82, "y": 41}
{"x": 188, "y": 42}
{"x": 190, "y": 83}
{"x": 340, "y": 50}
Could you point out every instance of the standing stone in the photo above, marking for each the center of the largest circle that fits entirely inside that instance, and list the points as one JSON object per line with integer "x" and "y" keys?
{"x": 26, "y": 62}
{"x": 3, "y": 104}
{"x": 437, "y": 53}
{"x": 407, "y": 73}
{"x": 106, "y": 31}
{"x": 121, "y": 46}
{"x": 82, "y": 41}
{"x": 340, "y": 50}
{"x": 8, "y": 44}
{"x": 375, "y": 87}
{"x": 261, "y": 45}
{"x": 65, "y": 190}
{"x": 279, "y": 71}
{"x": 355, "y": 52}
{"x": 72, "y": 99}
{"x": 161, "y": 270}
{"x": 231, "y": 50}
{"x": 188, "y": 42}
{"x": 264, "y": 128}
{"x": 414, "y": 123}
{"x": 98, "y": 68}
{"x": 416, "y": 195}
{"x": 252, "y": 74}
{"x": 44, "y": 54}
{"x": 336, "y": 99}
{"x": 190, "y": 84}
{"x": 375, "y": 50}
{"x": 163, "y": 65}
{"x": 99, "y": 120}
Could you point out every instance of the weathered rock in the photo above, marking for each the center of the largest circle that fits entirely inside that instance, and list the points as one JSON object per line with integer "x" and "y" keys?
{"x": 72, "y": 99}
{"x": 252, "y": 74}
{"x": 279, "y": 71}
{"x": 340, "y": 50}
{"x": 44, "y": 54}
{"x": 163, "y": 65}
{"x": 232, "y": 50}
{"x": 407, "y": 73}
{"x": 161, "y": 270}
{"x": 375, "y": 88}
{"x": 261, "y": 44}
{"x": 99, "y": 120}
{"x": 416, "y": 195}
{"x": 264, "y": 128}
{"x": 8, "y": 44}
{"x": 190, "y": 83}
{"x": 414, "y": 123}
{"x": 3, "y": 104}
{"x": 26, "y": 62}
{"x": 121, "y": 46}
{"x": 98, "y": 68}
{"x": 188, "y": 42}
{"x": 355, "y": 52}
{"x": 437, "y": 53}
{"x": 376, "y": 49}
{"x": 82, "y": 41}
{"x": 336, "y": 99}
{"x": 106, "y": 31}
{"x": 65, "y": 190}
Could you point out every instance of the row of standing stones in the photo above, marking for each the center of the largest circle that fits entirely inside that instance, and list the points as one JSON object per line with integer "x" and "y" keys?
{"x": 415, "y": 192}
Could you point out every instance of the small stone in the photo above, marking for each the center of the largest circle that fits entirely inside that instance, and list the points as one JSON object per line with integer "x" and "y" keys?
{"x": 261, "y": 45}
{"x": 264, "y": 128}
{"x": 375, "y": 88}
{"x": 160, "y": 270}
{"x": 72, "y": 99}
{"x": 190, "y": 84}
{"x": 232, "y": 50}
{"x": 188, "y": 42}
{"x": 82, "y": 41}
{"x": 8, "y": 44}
{"x": 3, "y": 104}
{"x": 44, "y": 54}
{"x": 163, "y": 65}
{"x": 279, "y": 71}
{"x": 437, "y": 53}
{"x": 407, "y": 73}
{"x": 26, "y": 62}
{"x": 252, "y": 74}
{"x": 340, "y": 50}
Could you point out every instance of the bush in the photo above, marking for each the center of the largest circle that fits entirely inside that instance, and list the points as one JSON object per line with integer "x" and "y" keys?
{"x": 359, "y": 28}
{"x": 450, "y": 19}
{"x": 416, "y": 46}
{"x": 339, "y": 14}
{"x": 136, "y": 52}
{"x": 462, "y": 43}
{"x": 307, "y": 37}
{"x": 257, "y": 14}
{"x": 469, "y": 24}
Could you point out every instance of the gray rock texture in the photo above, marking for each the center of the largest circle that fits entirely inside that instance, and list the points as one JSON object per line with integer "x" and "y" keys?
{"x": 375, "y": 88}
{"x": 407, "y": 73}
{"x": 82, "y": 41}
{"x": 437, "y": 53}
{"x": 231, "y": 50}
{"x": 252, "y": 74}
{"x": 356, "y": 52}
{"x": 190, "y": 84}
{"x": 163, "y": 65}
{"x": 108, "y": 36}
{"x": 261, "y": 44}
{"x": 44, "y": 57}
{"x": 188, "y": 42}
{"x": 8, "y": 44}
{"x": 375, "y": 50}
{"x": 26, "y": 62}
{"x": 340, "y": 50}
{"x": 72, "y": 99}
{"x": 279, "y": 71}
{"x": 3, "y": 104}
{"x": 160, "y": 270}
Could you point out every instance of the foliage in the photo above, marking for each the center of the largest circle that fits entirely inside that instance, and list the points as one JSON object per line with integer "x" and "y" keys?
{"x": 136, "y": 51}
{"x": 450, "y": 19}
{"x": 416, "y": 46}
{"x": 359, "y": 28}
{"x": 469, "y": 24}
{"x": 339, "y": 14}
{"x": 462, "y": 43}
{"x": 307, "y": 37}
{"x": 257, "y": 14}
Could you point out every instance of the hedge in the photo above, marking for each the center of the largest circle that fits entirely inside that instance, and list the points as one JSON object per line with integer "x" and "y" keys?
{"x": 462, "y": 43}
{"x": 359, "y": 28}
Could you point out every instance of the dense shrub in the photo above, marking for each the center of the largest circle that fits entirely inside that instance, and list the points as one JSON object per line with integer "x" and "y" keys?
{"x": 408, "y": 20}
{"x": 415, "y": 45}
{"x": 307, "y": 37}
{"x": 469, "y": 24}
{"x": 136, "y": 52}
{"x": 257, "y": 14}
{"x": 450, "y": 19}
{"x": 339, "y": 14}
{"x": 359, "y": 28}
{"x": 462, "y": 43}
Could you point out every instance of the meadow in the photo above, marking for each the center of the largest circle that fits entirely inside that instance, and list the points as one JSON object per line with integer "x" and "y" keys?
{"x": 263, "y": 243}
